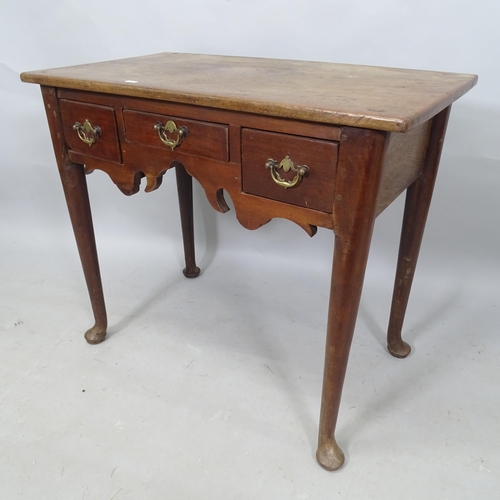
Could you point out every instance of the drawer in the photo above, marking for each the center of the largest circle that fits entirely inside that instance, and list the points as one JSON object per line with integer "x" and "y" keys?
{"x": 202, "y": 139}
{"x": 313, "y": 190}
{"x": 97, "y": 127}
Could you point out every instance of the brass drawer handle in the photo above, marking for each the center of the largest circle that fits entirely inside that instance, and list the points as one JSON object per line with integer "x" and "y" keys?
{"x": 286, "y": 164}
{"x": 171, "y": 127}
{"x": 87, "y": 133}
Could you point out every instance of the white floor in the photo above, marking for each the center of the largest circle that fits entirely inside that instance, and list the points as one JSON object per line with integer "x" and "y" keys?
{"x": 210, "y": 388}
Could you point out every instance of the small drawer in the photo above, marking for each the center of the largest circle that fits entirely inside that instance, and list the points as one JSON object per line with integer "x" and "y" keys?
{"x": 97, "y": 126}
{"x": 312, "y": 190}
{"x": 201, "y": 139}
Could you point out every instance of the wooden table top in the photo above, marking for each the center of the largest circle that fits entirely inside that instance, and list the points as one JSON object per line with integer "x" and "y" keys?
{"x": 341, "y": 94}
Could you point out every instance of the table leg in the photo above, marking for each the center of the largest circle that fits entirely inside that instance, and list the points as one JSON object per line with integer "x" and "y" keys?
{"x": 347, "y": 280}
{"x": 357, "y": 184}
{"x": 418, "y": 200}
{"x": 77, "y": 199}
{"x": 185, "y": 193}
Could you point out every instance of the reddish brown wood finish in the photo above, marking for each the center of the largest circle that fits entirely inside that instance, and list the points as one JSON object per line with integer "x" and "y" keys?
{"x": 357, "y": 185}
{"x": 77, "y": 199}
{"x": 240, "y": 113}
{"x": 107, "y": 146}
{"x": 403, "y": 163}
{"x": 222, "y": 116}
{"x": 375, "y": 98}
{"x": 346, "y": 195}
{"x": 204, "y": 139}
{"x": 185, "y": 192}
{"x": 314, "y": 191}
{"x": 418, "y": 200}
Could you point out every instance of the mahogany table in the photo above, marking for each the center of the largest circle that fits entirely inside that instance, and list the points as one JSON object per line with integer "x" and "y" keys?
{"x": 320, "y": 144}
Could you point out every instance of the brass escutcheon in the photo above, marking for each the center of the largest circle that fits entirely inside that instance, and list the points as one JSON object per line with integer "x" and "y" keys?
{"x": 171, "y": 127}
{"x": 87, "y": 133}
{"x": 286, "y": 164}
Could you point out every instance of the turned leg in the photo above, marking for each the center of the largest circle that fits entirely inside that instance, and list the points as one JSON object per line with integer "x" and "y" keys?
{"x": 418, "y": 200}
{"x": 185, "y": 192}
{"x": 357, "y": 183}
{"x": 77, "y": 199}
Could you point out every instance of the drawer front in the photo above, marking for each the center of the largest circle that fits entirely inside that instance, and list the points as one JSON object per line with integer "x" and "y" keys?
{"x": 100, "y": 128}
{"x": 202, "y": 139}
{"x": 313, "y": 190}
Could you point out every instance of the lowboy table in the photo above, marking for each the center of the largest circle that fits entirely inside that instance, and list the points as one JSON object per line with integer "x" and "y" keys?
{"x": 320, "y": 144}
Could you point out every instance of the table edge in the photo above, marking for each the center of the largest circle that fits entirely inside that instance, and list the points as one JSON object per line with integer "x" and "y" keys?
{"x": 275, "y": 109}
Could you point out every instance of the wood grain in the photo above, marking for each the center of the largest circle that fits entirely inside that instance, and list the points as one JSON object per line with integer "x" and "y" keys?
{"x": 358, "y": 178}
{"x": 403, "y": 163}
{"x": 204, "y": 139}
{"x": 107, "y": 146}
{"x": 77, "y": 199}
{"x": 222, "y": 116}
{"x": 342, "y": 121}
{"x": 341, "y": 94}
{"x": 418, "y": 201}
{"x": 313, "y": 191}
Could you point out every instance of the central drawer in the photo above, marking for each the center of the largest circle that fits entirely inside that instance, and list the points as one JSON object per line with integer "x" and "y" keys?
{"x": 202, "y": 139}
{"x": 271, "y": 167}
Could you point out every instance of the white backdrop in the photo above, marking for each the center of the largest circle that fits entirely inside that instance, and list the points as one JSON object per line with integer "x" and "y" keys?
{"x": 462, "y": 243}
